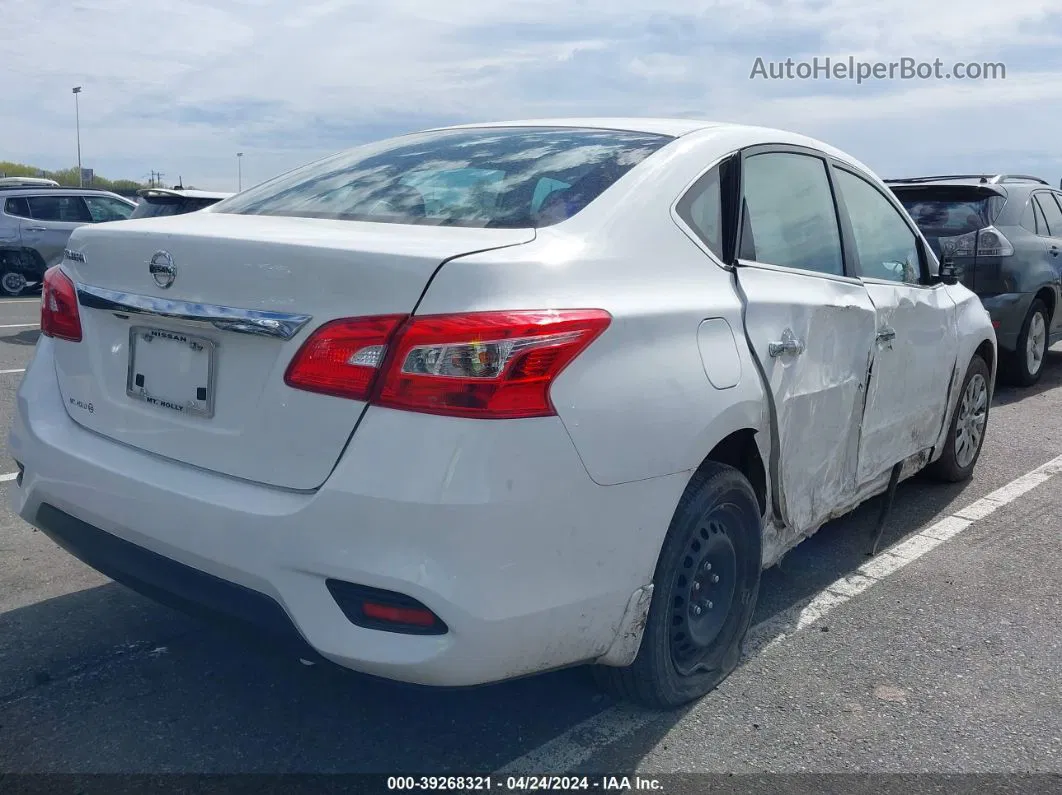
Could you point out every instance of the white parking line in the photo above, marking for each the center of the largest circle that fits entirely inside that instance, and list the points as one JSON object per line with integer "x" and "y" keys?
{"x": 581, "y": 742}
{"x": 20, "y": 300}
{"x": 8, "y": 372}
{"x": 21, "y": 325}
{"x": 8, "y": 476}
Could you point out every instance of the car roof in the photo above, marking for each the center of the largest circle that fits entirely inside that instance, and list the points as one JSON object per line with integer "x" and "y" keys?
{"x": 45, "y": 190}
{"x": 186, "y": 194}
{"x": 660, "y": 126}
{"x": 1009, "y": 180}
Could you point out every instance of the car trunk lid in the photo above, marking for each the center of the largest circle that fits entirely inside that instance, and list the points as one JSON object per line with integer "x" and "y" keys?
{"x": 194, "y": 371}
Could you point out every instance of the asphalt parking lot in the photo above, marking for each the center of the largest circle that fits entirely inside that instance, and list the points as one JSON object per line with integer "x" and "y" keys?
{"x": 943, "y": 655}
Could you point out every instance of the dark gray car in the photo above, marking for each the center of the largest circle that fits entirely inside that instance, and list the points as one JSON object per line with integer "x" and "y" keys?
{"x": 1004, "y": 235}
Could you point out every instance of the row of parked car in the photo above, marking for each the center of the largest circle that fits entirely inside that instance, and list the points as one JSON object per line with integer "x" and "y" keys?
{"x": 474, "y": 403}
{"x": 1003, "y": 232}
{"x": 38, "y": 215}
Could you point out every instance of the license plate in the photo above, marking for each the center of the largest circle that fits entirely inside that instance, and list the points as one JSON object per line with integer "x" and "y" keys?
{"x": 171, "y": 370}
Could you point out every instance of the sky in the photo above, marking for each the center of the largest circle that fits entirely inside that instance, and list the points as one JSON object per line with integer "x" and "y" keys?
{"x": 181, "y": 86}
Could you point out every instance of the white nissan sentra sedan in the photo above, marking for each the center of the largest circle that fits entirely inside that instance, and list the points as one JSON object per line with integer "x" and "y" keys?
{"x": 479, "y": 402}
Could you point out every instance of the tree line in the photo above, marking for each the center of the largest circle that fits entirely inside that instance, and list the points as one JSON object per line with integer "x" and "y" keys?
{"x": 68, "y": 177}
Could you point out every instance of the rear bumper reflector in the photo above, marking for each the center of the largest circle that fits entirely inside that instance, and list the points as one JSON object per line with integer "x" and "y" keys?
{"x": 373, "y": 608}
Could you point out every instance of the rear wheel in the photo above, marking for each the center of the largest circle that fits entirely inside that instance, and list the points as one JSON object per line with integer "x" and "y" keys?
{"x": 1027, "y": 362}
{"x": 12, "y": 283}
{"x": 705, "y": 588}
{"x": 966, "y": 434}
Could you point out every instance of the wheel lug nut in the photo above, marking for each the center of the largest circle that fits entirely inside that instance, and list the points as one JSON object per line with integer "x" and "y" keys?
{"x": 715, "y": 578}
{"x": 696, "y": 586}
{"x": 707, "y": 566}
{"x": 708, "y": 605}
{"x": 696, "y": 610}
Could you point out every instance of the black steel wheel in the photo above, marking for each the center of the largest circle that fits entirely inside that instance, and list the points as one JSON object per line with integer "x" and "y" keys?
{"x": 704, "y": 594}
{"x": 702, "y": 591}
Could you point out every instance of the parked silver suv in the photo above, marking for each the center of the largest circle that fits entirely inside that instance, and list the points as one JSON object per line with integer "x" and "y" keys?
{"x": 35, "y": 223}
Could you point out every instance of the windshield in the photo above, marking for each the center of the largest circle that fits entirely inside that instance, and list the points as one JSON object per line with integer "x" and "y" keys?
{"x": 942, "y": 211}
{"x": 169, "y": 205}
{"x": 485, "y": 177}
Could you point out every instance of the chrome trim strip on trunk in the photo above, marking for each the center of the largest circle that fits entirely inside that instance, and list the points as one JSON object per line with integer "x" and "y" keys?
{"x": 282, "y": 325}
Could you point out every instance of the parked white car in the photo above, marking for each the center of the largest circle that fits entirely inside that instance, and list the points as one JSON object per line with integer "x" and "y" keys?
{"x": 486, "y": 401}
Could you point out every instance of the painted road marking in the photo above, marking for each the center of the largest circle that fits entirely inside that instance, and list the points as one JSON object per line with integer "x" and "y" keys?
{"x": 581, "y": 742}
{"x": 21, "y": 325}
{"x": 8, "y": 372}
{"x": 8, "y": 476}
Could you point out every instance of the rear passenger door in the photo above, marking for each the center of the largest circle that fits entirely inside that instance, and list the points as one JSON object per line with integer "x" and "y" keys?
{"x": 1047, "y": 220}
{"x": 810, "y": 325}
{"x": 916, "y": 339}
{"x": 53, "y": 218}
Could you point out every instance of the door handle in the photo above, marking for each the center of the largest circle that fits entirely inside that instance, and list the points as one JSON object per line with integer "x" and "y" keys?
{"x": 788, "y": 345}
{"x": 887, "y": 335}
{"x": 36, "y": 229}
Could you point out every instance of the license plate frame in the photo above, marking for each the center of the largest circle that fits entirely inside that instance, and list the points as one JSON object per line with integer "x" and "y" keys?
{"x": 172, "y": 404}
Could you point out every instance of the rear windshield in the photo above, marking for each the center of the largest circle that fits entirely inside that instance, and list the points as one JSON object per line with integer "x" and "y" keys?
{"x": 169, "y": 205}
{"x": 506, "y": 178}
{"x": 951, "y": 211}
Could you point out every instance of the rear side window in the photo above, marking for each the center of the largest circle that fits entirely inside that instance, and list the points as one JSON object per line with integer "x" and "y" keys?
{"x": 1033, "y": 218}
{"x": 104, "y": 208}
{"x": 946, "y": 210}
{"x": 506, "y": 178}
{"x": 67, "y": 209}
{"x": 790, "y": 218}
{"x": 18, "y": 207}
{"x": 702, "y": 209}
{"x": 1052, "y": 214}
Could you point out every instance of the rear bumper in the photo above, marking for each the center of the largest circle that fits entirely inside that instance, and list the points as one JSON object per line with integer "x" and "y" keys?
{"x": 171, "y": 583}
{"x": 1008, "y": 311}
{"x": 495, "y": 526}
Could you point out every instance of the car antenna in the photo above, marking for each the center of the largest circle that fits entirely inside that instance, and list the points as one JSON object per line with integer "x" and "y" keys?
{"x": 886, "y": 508}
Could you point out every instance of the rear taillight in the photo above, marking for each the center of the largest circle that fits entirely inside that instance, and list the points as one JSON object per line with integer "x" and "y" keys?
{"x": 987, "y": 242}
{"x": 489, "y": 365}
{"x": 59, "y": 313}
{"x": 343, "y": 357}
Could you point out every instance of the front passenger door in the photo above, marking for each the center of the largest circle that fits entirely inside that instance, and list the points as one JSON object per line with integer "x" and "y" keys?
{"x": 810, "y": 325}
{"x": 916, "y": 338}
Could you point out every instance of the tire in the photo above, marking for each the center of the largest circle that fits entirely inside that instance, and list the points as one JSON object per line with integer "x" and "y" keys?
{"x": 12, "y": 283}
{"x": 718, "y": 521}
{"x": 1032, "y": 345}
{"x": 956, "y": 463}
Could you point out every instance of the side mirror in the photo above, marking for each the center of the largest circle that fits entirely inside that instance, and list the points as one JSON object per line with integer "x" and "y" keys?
{"x": 948, "y": 273}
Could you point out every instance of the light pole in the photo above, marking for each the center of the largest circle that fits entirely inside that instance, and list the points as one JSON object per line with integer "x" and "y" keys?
{"x": 239, "y": 171}
{"x": 77, "y": 121}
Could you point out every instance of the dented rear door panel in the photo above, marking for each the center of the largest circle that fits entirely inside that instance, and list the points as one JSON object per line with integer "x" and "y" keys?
{"x": 812, "y": 337}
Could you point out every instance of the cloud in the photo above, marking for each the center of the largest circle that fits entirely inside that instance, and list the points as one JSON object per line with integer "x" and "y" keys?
{"x": 181, "y": 87}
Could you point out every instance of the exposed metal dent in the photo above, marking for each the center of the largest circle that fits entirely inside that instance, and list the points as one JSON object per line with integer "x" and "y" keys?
{"x": 632, "y": 626}
{"x": 778, "y": 539}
